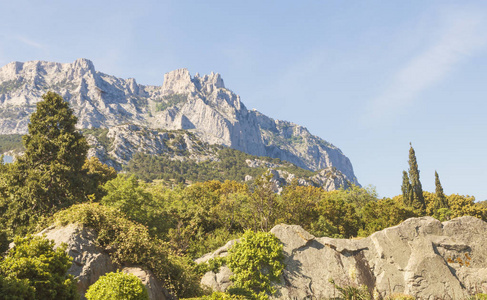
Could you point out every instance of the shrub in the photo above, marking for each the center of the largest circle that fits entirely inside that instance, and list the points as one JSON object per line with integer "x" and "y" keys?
{"x": 131, "y": 243}
{"x": 117, "y": 286}
{"x": 32, "y": 266}
{"x": 256, "y": 262}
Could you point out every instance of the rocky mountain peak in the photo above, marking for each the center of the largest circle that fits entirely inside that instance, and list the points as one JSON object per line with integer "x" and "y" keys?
{"x": 177, "y": 82}
{"x": 200, "y": 104}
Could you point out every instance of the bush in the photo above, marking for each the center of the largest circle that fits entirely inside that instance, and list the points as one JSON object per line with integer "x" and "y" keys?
{"x": 131, "y": 243}
{"x": 256, "y": 262}
{"x": 32, "y": 266}
{"x": 115, "y": 286}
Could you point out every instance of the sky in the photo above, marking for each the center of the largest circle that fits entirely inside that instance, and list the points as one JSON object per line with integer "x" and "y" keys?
{"x": 368, "y": 76}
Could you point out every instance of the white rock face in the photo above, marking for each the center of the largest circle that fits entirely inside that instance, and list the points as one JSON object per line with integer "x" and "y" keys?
{"x": 421, "y": 257}
{"x": 201, "y": 104}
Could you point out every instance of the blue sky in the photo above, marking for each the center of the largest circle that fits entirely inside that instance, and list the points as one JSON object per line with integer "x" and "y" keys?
{"x": 367, "y": 76}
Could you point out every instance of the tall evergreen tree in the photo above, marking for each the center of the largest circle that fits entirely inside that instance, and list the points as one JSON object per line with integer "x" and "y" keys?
{"x": 50, "y": 175}
{"x": 440, "y": 201}
{"x": 418, "y": 202}
{"x": 406, "y": 190}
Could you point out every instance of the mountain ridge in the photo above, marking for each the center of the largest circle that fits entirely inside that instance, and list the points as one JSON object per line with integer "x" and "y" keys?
{"x": 200, "y": 104}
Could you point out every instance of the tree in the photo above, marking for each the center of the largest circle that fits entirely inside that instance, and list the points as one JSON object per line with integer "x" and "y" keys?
{"x": 416, "y": 197}
{"x": 406, "y": 189}
{"x": 49, "y": 176}
{"x": 440, "y": 201}
{"x": 114, "y": 286}
{"x": 264, "y": 204}
{"x": 33, "y": 267}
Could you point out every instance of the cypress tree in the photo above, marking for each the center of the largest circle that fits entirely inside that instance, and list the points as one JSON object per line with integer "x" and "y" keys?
{"x": 418, "y": 202}
{"x": 406, "y": 190}
{"x": 440, "y": 201}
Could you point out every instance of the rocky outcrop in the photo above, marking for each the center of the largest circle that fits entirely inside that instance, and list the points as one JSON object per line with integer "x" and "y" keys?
{"x": 200, "y": 104}
{"x": 421, "y": 257}
{"x": 90, "y": 261}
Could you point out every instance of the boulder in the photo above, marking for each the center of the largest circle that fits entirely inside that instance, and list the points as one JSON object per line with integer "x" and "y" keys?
{"x": 153, "y": 285}
{"x": 421, "y": 257}
{"x": 91, "y": 261}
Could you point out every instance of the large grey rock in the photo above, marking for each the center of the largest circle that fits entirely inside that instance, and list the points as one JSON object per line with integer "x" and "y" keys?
{"x": 203, "y": 105}
{"x": 90, "y": 261}
{"x": 421, "y": 257}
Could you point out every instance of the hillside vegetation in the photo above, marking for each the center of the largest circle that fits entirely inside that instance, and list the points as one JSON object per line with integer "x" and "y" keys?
{"x": 165, "y": 227}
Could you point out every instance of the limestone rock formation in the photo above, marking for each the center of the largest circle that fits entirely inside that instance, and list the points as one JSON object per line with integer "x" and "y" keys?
{"x": 421, "y": 257}
{"x": 90, "y": 261}
{"x": 200, "y": 104}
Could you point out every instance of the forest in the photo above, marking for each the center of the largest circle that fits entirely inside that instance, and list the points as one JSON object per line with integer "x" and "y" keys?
{"x": 165, "y": 227}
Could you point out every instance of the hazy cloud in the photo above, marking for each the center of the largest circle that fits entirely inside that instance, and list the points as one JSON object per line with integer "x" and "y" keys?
{"x": 462, "y": 34}
{"x": 30, "y": 42}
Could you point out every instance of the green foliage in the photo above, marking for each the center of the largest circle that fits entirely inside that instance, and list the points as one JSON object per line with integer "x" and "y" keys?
{"x": 351, "y": 292}
{"x": 50, "y": 175}
{"x": 11, "y": 85}
{"x": 406, "y": 189}
{"x": 264, "y": 204}
{"x": 231, "y": 165}
{"x": 416, "y": 190}
{"x": 465, "y": 206}
{"x": 440, "y": 201}
{"x": 101, "y": 136}
{"x": 220, "y": 296}
{"x": 212, "y": 265}
{"x": 117, "y": 286}
{"x": 378, "y": 215}
{"x": 256, "y": 262}
{"x": 32, "y": 266}
{"x": 170, "y": 101}
{"x": 98, "y": 174}
{"x": 299, "y": 205}
{"x": 12, "y": 288}
{"x": 131, "y": 243}
{"x": 337, "y": 218}
{"x": 11, "y": 142}
{"x": 126, "y": 195}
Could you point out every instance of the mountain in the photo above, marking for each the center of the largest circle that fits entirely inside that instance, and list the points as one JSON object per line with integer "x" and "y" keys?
{"x": 201, "y": 105}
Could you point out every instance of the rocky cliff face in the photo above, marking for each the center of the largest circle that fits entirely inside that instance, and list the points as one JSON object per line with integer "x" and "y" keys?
{"x": 421, "y": 257}
{"x": 200, "y": 104}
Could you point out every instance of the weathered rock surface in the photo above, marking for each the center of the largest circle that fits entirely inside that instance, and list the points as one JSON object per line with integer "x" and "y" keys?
{"x": 201, "y": 104}
{"x": 421, "y": 257}
{"x": 90, "y": 261}
{"x": 153, "y": 285}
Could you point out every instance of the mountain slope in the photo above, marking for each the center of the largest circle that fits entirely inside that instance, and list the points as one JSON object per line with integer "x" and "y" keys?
{"x": 199, "y": 104}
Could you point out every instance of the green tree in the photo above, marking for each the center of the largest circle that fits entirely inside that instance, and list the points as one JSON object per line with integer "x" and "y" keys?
{"x": 49, "y": 176}
{"x": 34, "y": 267}
{"x": 263, "y": 202}
{"x": 440, "y": 199}
{"x": 416, "y": 196}
{"x": 337, "y": 218}
{"x": 117, "y": 286}
{"x": 378, "y": 215}
{"x": 98, "y": 175}
{"x": 406, "y": 189}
